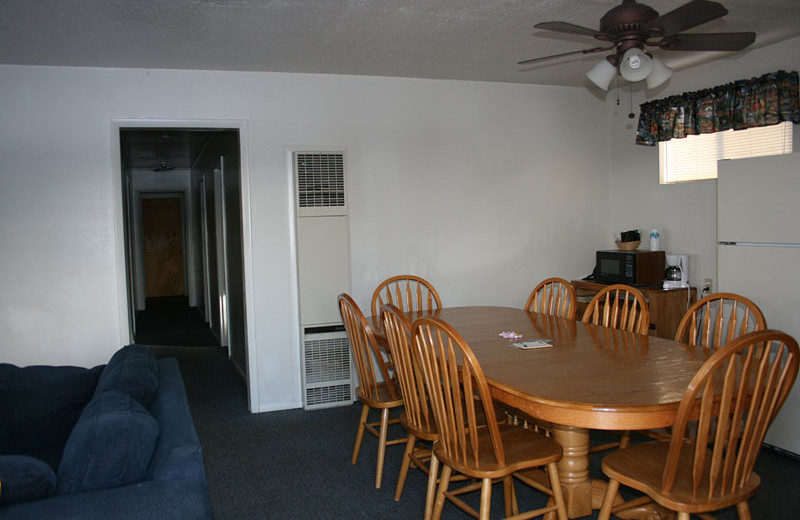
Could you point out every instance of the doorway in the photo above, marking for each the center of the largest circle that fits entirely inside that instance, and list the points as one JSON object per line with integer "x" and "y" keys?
{"x": 179, "y": 183}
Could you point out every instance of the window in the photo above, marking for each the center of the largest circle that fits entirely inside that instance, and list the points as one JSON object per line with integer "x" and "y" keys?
{"x": 695, "y": 157}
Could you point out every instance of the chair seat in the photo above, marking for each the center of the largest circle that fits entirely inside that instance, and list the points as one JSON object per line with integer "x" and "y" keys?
{"x": 641, "y": 466}
{"x": 384, "y": 400}
{"x": 524, "y": 449}
{"x": 430, "y": 434}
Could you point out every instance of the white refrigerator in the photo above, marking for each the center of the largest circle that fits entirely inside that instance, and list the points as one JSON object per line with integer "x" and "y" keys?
{"x": 758, "y": 255}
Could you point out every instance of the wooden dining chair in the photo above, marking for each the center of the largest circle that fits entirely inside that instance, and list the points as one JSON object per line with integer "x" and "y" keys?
{"x": 376, "y": 389}
{"x": 620, "y": 307}
{"x": 717, "y": 319}
{"x": 712, "y": 322}
{"x": 417, "y": 418}
{"x": 407, "y": 292}
{"x": 472, "y": 443}
{"x": 554, "y": 297}
{"x": 742, "y": 387}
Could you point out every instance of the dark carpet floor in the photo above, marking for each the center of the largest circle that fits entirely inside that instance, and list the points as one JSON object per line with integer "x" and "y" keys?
{"x": 170, "y": 321}
{"x": 295, "y": 464}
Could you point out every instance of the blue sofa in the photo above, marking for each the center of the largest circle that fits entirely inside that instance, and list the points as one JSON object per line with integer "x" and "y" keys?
{"x": 110, "y": 442}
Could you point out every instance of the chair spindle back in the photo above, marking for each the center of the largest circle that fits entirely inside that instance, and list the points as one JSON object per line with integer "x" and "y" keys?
{"x": 397, "y": 329}
{"x": 456, "y": 387}
{"x": 365, "y": 351}
{"x": 718, "y": 319}
{"x": 620, "y": 307}
{"x": 739, "y": 391}
{"x": 408, "y": 293}
{"x": 554, "y": 297}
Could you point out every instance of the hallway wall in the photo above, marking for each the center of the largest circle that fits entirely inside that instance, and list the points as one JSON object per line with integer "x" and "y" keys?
{"x": 225, "y": 145}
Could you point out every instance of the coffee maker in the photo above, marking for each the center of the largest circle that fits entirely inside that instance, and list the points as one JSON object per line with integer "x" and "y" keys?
{"x": 676, "y": 275}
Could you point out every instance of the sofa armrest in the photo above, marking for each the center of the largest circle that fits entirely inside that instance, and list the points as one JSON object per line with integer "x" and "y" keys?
{"x": 184, "y": 499}
{"x": 177, "y": 453}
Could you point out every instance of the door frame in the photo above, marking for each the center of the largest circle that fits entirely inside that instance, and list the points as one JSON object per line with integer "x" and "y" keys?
{"x": 119, "y": 192}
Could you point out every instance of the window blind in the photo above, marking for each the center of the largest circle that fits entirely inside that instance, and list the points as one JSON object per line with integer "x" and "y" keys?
{"x": 695, "y": 157}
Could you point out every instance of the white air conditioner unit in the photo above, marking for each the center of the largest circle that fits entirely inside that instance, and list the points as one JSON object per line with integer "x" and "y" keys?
{"x": 327, "y": 367}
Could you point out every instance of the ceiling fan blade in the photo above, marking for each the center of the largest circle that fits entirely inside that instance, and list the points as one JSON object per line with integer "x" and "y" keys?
{"x": 566, "y": 28}
{"x": 709, "y": 42}
{"x": 553, "y": 56}
{"x": 696, "y": 12}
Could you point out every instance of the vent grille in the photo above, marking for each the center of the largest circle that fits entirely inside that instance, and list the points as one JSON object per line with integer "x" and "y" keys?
{"x": 320, "y": 180}
{"x": 328, "y": 379}
{"x": 327, "y": 360}
{"x": 327, "y": 396}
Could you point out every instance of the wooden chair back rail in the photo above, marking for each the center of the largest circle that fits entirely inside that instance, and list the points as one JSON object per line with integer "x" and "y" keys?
{"x": 453, "y": 377}
{"x": 412, "y": 385}
{"x": 366, "y": 353}
{"x": 406, "y": 292}
{"x": 755, "y": 374}
{"x": 554, "y": 297}
{"x": 621, "y": 307}
{"x": 708, "y": 323}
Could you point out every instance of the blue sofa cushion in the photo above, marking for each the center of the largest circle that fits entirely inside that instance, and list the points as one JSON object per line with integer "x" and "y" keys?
{"x": 40, "y": 406}
{"x": 132, "y": 370}
{"x": 25, "y": 478}
{"x": 111, "y": 445}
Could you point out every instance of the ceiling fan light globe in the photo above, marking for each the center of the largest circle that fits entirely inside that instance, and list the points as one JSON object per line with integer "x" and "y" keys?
{"x": 659, "y": 74}
{"x": 635, "y": 65}
{"x": 602, "y": 74}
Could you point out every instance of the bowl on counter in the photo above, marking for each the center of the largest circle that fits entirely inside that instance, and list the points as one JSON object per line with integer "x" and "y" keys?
{"x": 628, "y": 246}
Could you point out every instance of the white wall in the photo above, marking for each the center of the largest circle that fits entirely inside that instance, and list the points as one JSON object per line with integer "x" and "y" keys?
{"x": 482, "y": 188}
{"x": 686, "y": 213}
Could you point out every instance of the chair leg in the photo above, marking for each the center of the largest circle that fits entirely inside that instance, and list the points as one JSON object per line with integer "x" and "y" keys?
{"x": 401, "y": 479}
{"x": 625, "y": 440}
{"x": 430, "y": 495}
{"x": 608, "y": 500}
{"x": 509, "y": 497}
{"x": 744, "y": 510}
{"x": 382, "y": 447}
{"x": 683, "y": 515}
{"x": 486, "y": 499}
{"x": 555, "y": 488}
{"x": 444, "y": 483}
{"x": 360, "y": 432}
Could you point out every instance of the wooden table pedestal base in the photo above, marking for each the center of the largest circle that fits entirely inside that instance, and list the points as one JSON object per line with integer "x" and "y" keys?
{"x": 583, "y": 494}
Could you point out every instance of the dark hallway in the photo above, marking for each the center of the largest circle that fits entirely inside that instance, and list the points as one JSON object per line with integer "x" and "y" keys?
{"x": 169, "y": 321}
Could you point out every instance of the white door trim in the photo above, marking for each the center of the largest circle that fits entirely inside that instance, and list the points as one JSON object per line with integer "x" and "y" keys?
{"x": 125, "y": 330}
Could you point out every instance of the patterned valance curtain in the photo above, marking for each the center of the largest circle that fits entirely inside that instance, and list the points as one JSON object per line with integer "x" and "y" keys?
{"x": 767, "y": 100}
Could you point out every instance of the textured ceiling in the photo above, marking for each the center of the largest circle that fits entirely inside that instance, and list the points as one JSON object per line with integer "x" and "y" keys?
{"x": 443, "y": 39}
{"x": 479, "y": 40}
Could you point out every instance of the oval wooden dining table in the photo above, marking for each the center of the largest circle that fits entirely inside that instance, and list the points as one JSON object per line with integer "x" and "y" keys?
{"x": 591, "y": 378}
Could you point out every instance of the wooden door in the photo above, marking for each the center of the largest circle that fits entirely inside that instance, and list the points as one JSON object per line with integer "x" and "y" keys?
{"x": 162, "y": 239}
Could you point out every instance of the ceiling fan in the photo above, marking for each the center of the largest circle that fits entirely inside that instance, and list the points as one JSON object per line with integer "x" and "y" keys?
{"x": 630, "y": 27}
{"x": 163, "y": 166}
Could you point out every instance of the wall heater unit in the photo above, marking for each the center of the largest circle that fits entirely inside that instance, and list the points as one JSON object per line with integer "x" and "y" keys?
{"x": 327, "y": 369}
{"x": 323, "y": 271}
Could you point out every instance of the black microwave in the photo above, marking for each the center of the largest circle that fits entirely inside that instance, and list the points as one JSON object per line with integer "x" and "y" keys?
{"x": 630, "y": 267}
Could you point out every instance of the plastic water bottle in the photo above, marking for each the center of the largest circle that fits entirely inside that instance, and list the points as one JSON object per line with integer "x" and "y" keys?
{"x": 655, "y": 240}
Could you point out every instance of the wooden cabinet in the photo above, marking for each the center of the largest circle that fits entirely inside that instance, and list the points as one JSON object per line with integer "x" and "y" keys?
{"x": 667, "y": 307}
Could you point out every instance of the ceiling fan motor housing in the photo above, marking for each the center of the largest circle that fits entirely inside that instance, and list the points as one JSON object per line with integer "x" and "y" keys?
{"x": 624, "y": 24}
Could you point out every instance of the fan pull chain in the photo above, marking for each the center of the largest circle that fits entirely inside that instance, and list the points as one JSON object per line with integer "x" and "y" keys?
{"x": 631, "y": 115}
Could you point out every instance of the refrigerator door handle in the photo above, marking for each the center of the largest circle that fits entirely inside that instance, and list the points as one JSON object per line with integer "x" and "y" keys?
{"x": 758, "y": 244}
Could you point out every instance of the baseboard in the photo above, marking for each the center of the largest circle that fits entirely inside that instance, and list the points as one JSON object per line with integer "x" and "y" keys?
{"x": 781, "y": 451}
